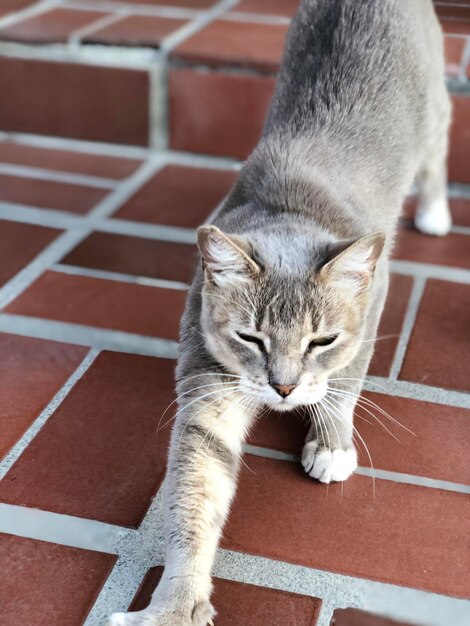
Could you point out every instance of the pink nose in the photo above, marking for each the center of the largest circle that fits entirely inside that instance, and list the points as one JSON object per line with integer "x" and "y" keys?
{"x": 283, "y": 390}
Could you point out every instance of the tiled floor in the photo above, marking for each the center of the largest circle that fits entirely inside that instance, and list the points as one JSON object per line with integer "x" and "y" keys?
{"x": 115, "y": 143}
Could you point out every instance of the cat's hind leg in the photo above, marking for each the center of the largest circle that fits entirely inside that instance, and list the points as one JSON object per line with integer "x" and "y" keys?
{"x": 432, "y": 214}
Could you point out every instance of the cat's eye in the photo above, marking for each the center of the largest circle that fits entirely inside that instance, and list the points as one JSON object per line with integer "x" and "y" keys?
{"x": 322, "y": 341}
{"x": 252, "y": 339}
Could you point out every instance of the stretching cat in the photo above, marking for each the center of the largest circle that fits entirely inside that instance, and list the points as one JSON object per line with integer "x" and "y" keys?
{"x": 284, "y": 309}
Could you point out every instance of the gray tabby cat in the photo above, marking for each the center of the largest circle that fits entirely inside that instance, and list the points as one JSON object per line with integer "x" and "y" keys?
{"x": 285, "y": 308}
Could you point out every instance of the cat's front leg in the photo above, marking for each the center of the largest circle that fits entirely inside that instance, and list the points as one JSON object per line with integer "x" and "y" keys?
{"x": 329, "y": 454}
{"x": 200, "y": 483}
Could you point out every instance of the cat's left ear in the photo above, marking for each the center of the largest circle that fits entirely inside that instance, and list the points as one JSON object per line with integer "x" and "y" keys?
{"x": 226, "y": 258}
{"x": 353, "y": 264}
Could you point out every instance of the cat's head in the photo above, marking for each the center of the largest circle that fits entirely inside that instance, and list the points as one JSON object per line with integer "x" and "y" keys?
{"x": 281, "y": 325}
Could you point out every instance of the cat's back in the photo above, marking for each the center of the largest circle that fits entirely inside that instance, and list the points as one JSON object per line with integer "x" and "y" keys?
{"x": 349, "y": 59}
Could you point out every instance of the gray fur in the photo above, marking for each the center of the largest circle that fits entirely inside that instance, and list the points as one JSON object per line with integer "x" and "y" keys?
{"x": 299, "y": 253}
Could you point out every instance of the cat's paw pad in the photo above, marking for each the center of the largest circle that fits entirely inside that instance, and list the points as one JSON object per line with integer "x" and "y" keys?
{"x": 434, "y": 219}
{"x": 326, "y": 465}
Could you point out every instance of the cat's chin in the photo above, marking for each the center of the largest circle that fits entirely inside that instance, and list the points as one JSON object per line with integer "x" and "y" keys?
{"x": 283, "y": 407}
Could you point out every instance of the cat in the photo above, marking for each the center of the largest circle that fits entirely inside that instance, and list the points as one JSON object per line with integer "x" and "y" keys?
{"x": 284, "y": 309}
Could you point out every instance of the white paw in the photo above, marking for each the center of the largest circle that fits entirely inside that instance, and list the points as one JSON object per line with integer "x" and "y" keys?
{"x": 200, "y": 616}
{"x": 126, "y": 619}
{"x": 326, "y": 465}
{"x": 434, "y": 219}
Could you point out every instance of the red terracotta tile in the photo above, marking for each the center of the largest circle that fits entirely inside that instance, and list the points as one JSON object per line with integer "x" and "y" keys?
{"x": 227, "y": 111}
{"x": 44, "y": 583}
{"x": 280, "y": 431}
{"x": 455, "y": 26}
{"x": 286, "y": 8}
{"x": 454, "y": 16}
{"x": 240, "y": 44}
{"x": 452, "y": 250}
{"x": 72, "y": 100}
{"x": 439, "y": 349}
{"x": 453, "y": 49}
{"x": 47, "y": 194}
{"x": 179, "y": 196}
{"x": 391, "y": 324}
{"x": 391, "y": 447}
{"x": 54, "y": 26}
{"x": 99, "y": 455}
{"x": 259, "y": 606}
{"x": 68, "y": 161}
{"x": 133, "y": 255}
{"x": 103, "y": 303}
{"x": 136, "y": 30}
{"x": 31, "y": 372}
{"x": 459, "y": 207}
{"x": 419, "y": 533}
{"x": 11, "y": 6}
{"x": 459, "y": 171}
{"x": 354, "y": 617}
{"x": 421, "y": 453}
{"x": 19, "y": 244}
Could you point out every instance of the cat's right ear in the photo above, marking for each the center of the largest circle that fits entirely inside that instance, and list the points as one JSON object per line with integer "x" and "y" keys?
{"x": 226, "y": 259}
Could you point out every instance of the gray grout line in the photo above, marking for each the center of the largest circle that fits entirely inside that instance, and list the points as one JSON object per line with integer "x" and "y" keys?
{"x": 459, "y": 190}
{"x": 39, "y": 422}
{"x": 145, "y": 551}
{"x": 410, "y": 479}
{"x": 77, "y": 145}
{"x": 127, "y": 188}
{"x": 172, "y": 157}
{"x": 76, "y": 37}
{"x": 139, "y": 550}
{"x": 39, "y": 173}
{"x": 50, "y": 255}
{"x": 202, "y": 160}
{"x": 460, "y": 230}
{"x": 325, "y": 616}
{"x": 118, "y": 591}
{"x": 465, "y": 62}
{"x": 257, "y": 18}
{"x": 81, "y": 335}
{"x": 429, "y": 270}
{"x": 165, "y": 348}
{"x": 146, "y": 230}
{"x": 197, "y": 24}
{"x": 269, "y": 453}
{"x": 30, "y": 11}
{"x": 416, "y": 391}
{"x": 158, "y": 105}
{"x": 63, "y": 244}
{"x": 65, "y": 530}
{"x": 408, "y": 325}
{"x": 39, "y": 217}
{"x": 341, "y": 591}
{"x": 159, "y": 283}
{"x": 119, "y": 57}
{"x": 396, "y": 477}
{"x": 136, "y": 8}
{"x": 67, "y": 221}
